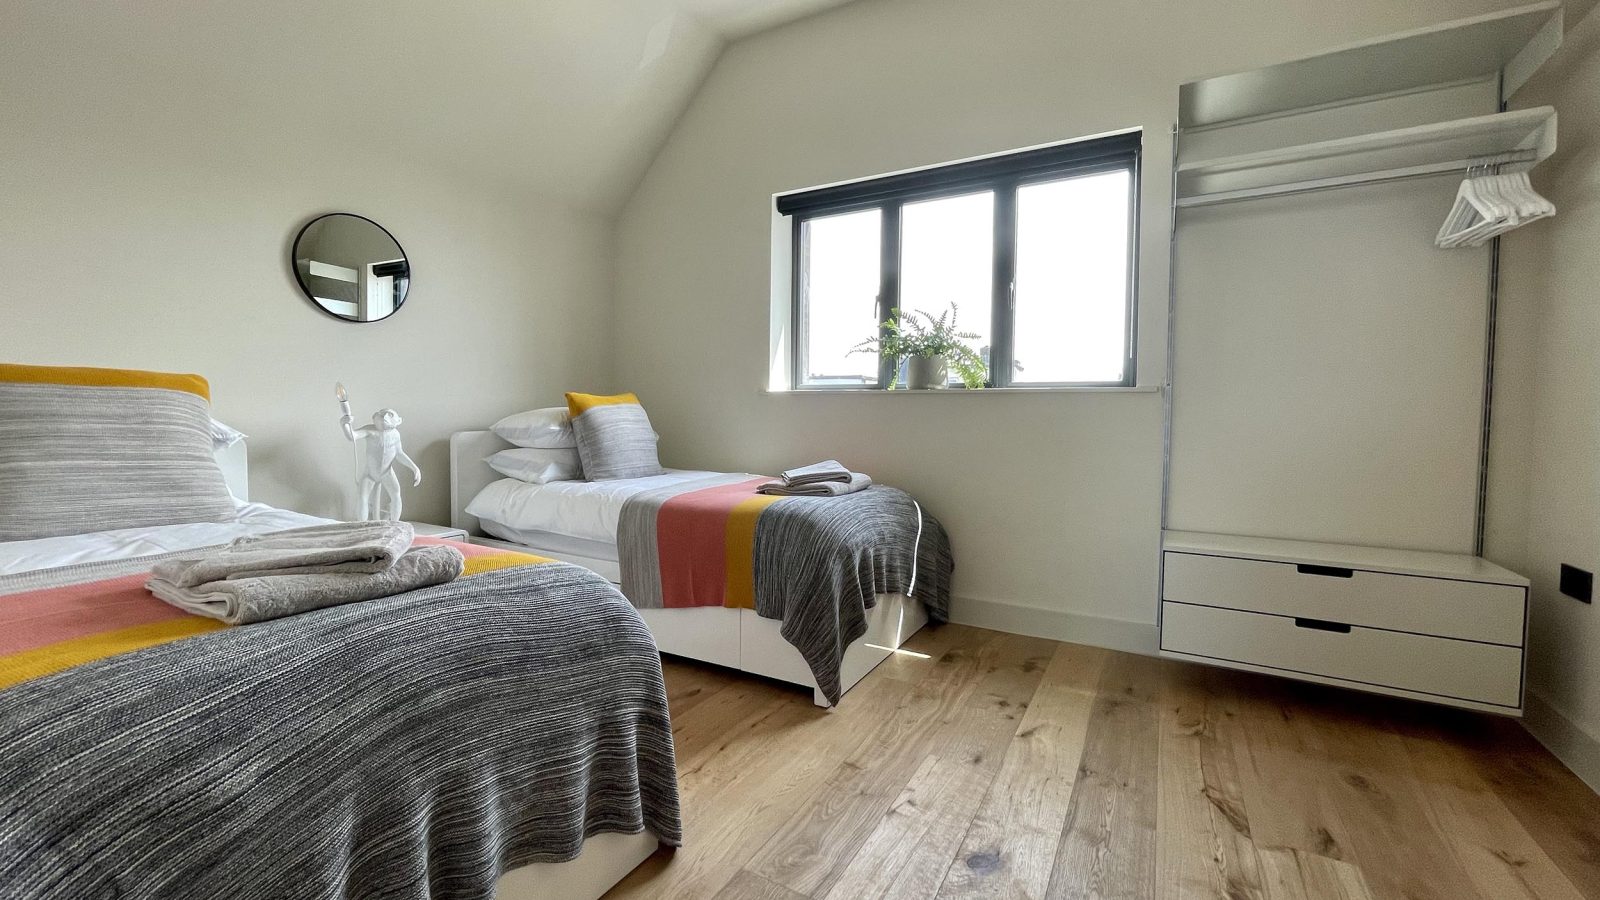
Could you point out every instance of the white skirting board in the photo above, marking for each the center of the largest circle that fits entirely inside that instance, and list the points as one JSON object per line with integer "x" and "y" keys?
{"x": 1577, "y": 749}
{"x": 1058, "y": 625}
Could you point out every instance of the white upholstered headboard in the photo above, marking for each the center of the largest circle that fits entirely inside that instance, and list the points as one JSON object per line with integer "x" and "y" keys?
{"x": 234, "y": 460}
{"x": 469, "y": 474}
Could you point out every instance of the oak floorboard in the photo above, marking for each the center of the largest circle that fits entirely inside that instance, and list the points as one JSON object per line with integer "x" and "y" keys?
{"x": 1496, "y": 852}
{"x": 1295, "y": 875}
{"x": 810, "y": 851}
{"x": 690, "y": 683}
{"x": 1394, "y": 838}
{"x": 1556, "y": 808}
{"x": 1003, "y": 766}
{"x": 1286, "y": 809}
{"x": 925, "y": 648}
{"x": 747, "y": 885}
{"x": 1107, "y": 847}
{"x": 746, "y": 791}
{"x": 908, "y": 853}
{"x": 1010, "y": 847}
{"x": 1203, "y": 844}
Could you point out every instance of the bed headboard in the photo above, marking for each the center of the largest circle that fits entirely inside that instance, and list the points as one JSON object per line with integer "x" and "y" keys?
{"x": 234, "y": 461}
{"x": 469, "y": 474}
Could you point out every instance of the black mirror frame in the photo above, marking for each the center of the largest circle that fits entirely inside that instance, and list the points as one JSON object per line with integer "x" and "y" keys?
{"x": 294, "y": 252}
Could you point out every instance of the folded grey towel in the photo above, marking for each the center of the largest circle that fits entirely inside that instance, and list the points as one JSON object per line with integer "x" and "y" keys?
{"x": 240, "y": 601}
{"x": 857, "y": 482}
{"x": 345, "y": 547}
{"x": 825, "y": 471}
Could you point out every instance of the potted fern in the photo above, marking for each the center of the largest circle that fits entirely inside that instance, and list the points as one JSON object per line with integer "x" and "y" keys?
{"x": 931, "y": 346}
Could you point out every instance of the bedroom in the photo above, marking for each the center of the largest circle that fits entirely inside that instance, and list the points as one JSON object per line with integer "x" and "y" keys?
{"x": 587, "y": 196}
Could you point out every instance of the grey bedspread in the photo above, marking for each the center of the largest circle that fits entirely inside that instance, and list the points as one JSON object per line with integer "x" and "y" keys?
{"x": 820, "y": 563}
{"x": 414, "y": 746}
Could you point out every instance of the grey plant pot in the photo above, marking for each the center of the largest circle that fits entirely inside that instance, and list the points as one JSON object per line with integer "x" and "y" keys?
{"x": 928, "y": 373}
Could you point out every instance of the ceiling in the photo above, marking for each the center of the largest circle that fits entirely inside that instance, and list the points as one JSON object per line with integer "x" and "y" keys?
{"x": 565, "y": 99}
{"x": 737, "y": 18}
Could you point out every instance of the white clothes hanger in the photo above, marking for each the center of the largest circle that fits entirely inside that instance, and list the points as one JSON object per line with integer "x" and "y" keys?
{"x": 1488, "y": 205}
{"x": 1526, "y": 202}
{"x": 1472, "y": 209}
{"x": 1504, "y": 219}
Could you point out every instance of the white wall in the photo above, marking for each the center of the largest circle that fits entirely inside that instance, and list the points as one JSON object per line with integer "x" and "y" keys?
{"x": 146, "y": 221}
{"x": 1551, "y": 297}
{"x": 1331, "y": 389}
{"x": 1052, "y": 499}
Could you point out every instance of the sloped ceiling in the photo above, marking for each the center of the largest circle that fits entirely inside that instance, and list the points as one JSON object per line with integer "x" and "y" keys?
{"x": 564, "y": 99}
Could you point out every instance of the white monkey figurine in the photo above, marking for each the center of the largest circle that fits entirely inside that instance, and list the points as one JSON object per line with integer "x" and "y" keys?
{"x": 377, "y": 450}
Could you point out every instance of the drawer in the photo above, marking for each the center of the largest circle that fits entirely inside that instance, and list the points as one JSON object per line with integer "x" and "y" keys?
{"x": 1468, "y": 610}
{"x": 1465, "y": 670}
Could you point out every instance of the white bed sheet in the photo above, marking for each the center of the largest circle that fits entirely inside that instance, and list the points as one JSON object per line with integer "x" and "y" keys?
{"x": 554, "y": 544}
{"x": 588, "y": 510}
{"x": 126, "y": 543}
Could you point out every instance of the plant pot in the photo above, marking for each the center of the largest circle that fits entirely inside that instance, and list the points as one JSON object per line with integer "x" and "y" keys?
{"x": 928, "y": 373}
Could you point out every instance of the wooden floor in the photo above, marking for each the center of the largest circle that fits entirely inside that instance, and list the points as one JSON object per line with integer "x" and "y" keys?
{"x": 1006, "y": 766}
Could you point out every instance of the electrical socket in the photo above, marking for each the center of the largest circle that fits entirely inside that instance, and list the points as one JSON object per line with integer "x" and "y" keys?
{"x": 1577, "y": 584}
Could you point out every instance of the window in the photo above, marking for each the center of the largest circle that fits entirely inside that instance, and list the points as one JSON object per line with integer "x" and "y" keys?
{"x": 1035, "y": 251}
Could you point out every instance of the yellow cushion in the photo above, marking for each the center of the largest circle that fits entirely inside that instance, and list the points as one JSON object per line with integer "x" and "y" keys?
{"x": 577, "y": 403}
{"x": 91, "y": 377}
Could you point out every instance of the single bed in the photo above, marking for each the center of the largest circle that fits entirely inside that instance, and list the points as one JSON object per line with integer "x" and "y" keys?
{"x": 29, "y": 836}
{"x": 578, "y": 522}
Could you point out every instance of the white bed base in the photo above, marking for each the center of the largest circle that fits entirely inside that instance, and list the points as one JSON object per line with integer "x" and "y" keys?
{"x": 605, "y": 859}
{"x": 736, "y": 638}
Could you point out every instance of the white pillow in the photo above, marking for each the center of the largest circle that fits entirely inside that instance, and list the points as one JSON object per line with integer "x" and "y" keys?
{"x": 544, "y": 429}
{"x": 538, "y": 465}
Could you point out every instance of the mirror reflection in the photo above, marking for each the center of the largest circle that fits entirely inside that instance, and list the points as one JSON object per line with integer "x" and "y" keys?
{"x": 351, "y": 267}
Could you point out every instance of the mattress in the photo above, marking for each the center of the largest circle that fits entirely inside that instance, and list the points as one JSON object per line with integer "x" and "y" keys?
{"x": 559, "y": 544}
{"x": 584, "y": 510}
{"x": 127, "y": 543}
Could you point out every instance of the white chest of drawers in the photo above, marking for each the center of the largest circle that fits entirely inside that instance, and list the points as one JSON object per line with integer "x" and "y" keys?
{"x": 1433, "y": 626}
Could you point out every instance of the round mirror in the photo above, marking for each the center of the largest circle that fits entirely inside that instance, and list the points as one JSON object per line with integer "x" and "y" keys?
{"x": 351, "y": 267}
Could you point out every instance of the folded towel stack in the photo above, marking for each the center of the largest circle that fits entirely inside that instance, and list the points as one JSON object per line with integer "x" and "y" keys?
{"x": 824, "y": 479}
{"x": 287, "y": 572}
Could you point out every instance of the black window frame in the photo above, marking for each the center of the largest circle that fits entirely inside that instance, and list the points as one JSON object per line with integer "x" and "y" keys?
{"x": 1004, "y": 174}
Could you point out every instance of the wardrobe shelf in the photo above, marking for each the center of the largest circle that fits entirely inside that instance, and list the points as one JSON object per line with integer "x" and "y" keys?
{"x": 1523, "y": 138}
{"x": 1510, "y": 44}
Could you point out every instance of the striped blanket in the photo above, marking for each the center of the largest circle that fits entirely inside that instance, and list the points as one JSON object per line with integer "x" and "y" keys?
{"x": 816, "y": 563}
{"x": 414, "y": 746}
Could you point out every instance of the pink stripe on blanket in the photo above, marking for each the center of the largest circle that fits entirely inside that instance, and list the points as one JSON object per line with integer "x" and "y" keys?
{"x": 36, "y": 618}
{"x": 692, "y": 539}
{"x": 467, "y": 550}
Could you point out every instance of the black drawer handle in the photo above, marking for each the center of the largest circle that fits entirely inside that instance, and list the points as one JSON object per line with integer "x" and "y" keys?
{"x": 1326, "y": 571}
{"x": 1322, "y": 625}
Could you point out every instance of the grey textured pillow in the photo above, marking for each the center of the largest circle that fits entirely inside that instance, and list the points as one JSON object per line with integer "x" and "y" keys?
{"x": 615, "y": 439}
{"x": 85, "y": 450}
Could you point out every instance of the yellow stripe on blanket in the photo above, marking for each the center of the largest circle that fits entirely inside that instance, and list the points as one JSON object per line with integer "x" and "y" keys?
{"x": 40, "y": 661}
{"x": 740, "y": 555}
{"x": 506, "y": 559}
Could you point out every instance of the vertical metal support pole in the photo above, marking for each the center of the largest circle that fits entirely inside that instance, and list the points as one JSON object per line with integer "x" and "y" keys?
{"x": 1166, "y": 378}
{"x": 1172, "y": 340}
{"x": 1486, "y": 417}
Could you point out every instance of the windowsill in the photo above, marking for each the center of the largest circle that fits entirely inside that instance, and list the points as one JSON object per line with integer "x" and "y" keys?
{"x": 1083, "y": 389}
